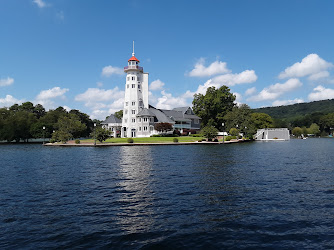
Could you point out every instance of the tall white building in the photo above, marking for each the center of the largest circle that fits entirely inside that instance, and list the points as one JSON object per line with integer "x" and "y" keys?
{"x": 135, "y": 101}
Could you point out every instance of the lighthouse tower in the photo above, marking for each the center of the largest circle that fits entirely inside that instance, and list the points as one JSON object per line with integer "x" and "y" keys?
{"x": 136, "y": 97}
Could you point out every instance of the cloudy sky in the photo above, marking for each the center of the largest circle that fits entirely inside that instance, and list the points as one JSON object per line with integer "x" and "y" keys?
{"x": 72, "y": 53}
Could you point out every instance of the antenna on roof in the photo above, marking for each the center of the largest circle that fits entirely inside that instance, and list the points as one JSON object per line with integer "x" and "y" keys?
{"x": 133, "y": 48}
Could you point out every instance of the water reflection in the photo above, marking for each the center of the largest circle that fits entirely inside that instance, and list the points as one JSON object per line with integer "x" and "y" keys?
{"x": 135, "y": 193}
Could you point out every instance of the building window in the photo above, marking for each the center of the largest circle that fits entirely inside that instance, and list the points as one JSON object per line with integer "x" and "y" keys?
{"x": 128, "y": 78}
{"x": 125, "y": 120}
{"x": 127, "y": 85}
{"x": 127, "y": 103}
{"x": 133, "y": 86}
{"x": 138, "y": 86}
{"x": 145, "y": 128}
{"x": 151, "y": 128}
{"x": 139, "y": 128}
{"x": 133, "y": 78}
{"x": 133, "y": 103}
{"x": 139, "y": 119}
{"x": 126, "y": 111}
{"x": 133, "y": 120}
{"x": 133, "y": 112}
{"x": 196, "y": 121}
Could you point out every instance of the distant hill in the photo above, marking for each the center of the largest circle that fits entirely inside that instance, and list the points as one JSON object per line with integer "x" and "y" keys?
{"x": 298, "y": 110}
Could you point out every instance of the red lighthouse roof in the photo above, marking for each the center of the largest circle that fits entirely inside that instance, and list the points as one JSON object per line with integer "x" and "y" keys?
{"x": 133, "y": 58}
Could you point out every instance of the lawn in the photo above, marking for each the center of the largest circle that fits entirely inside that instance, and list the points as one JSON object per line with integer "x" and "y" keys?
{"x": 148, "y": 140}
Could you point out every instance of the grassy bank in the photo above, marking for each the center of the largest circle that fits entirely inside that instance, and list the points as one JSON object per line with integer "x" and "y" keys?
{"x": 148, "y": 140}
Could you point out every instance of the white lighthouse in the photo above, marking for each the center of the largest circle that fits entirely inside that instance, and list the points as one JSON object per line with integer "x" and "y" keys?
{"x": 135, "y": 99}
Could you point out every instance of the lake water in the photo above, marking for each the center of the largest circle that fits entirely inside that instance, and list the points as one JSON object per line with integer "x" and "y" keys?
{"x": 248, "y": 195}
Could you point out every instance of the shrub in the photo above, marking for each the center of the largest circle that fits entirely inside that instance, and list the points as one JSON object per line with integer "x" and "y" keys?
{"x": 209, "y": 139}
{"x": 155, "y": 135}
{"x": 175, "y": 140}
{"x": 130, "y": 140}
{"x": 52, "y": 140}
{"x": 228, "y": 138}
{"x": 203, "y": 140}
{"x": 77, "y": 141}
{"x": 215, "y": 140}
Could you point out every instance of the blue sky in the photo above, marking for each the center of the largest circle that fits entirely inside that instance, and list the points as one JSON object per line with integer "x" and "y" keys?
{"x": 71, "y": 53}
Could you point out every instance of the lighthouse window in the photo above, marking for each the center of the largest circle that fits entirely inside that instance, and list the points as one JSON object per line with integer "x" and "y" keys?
{"x": 126, "y": 103}
{"x": 133, "y": 78}
{"x": 139, "y": 119}
{"x": 128, "y": 78}
{"x": 139, "y": 128}
{"x": 138, "y": 86}
{"x": 133, "y": 112}
{"x": 133, "y": 120}
{"x": 125, "y": 120}
{"x": 133, "y": 86}
{"x": 126, "y": 111}
{"x": 145, "y": 128}
{"x": 133, "y": 103}
{"x": 127, "y": 85}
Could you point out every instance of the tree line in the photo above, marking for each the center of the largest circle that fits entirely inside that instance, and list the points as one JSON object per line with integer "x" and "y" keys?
{"x": 26, "y": 121}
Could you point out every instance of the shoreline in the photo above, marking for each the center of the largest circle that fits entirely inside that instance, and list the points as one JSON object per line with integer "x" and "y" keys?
{"x": 72, "y": 144}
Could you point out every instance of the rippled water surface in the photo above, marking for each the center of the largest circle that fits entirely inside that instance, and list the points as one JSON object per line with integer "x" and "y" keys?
{"x": 250, "y": 195}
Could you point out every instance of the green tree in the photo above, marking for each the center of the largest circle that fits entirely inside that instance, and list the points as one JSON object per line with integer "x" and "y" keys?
{"x": 241, "y": 117}
{"x": 101, "y": 134}
{"x": 261, "y": 120}
{"x": 213, "y": 106}
{"x": 327, "y": 122}
{"x": 314, "y": 129}
{"x": 209, "y": 132}
{"x": 297, "y": 131}
{"x": 119, "y": 114}
{"x": 68, "y": 127}
{"x": 234, "y": 132}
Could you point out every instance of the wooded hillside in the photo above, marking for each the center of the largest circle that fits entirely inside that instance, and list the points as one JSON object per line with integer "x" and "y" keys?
{"x": 291, "y": 112}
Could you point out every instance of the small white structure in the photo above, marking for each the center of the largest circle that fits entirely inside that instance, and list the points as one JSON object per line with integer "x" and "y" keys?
{"x": 113, "y": 124}
{"x": 272, "y": 134}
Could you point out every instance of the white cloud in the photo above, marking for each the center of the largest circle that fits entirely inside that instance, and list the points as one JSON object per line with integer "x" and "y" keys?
{"x": 247, "y": 76}
{"x": 214, "y": 68}
{"x": 110, "y": 70}
{"x": 238, "y": 98}
{"x": 40, "y": 3}
{"x": 98, "y": 95}
{"x": 319, "y": 75}
{"x": 6, "y": 82}
{"x": 9, "y": 101}
{"x": 51, "y": 93}
{"x": 250, "y": 91}
{"x": 46, "y": 97}
{"x": 102, "y": 102}
{"x": 167, "y": 101}
{"x": 310, "y": 65}
{"x": 156, "y": 85}
{"x": 321, "y": 93}
{"x": 274, "y": 91}
{"x": 287, "y": 102}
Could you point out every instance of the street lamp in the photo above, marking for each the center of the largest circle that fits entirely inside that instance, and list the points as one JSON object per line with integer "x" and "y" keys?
{"x": 223, "y": 124}
{"x": 94, "y": 134}
{"x": 43, "y": 135}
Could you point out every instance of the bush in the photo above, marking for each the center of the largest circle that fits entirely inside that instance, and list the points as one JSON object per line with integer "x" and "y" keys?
{"x": 52, "y": 140}
{"x": 155, "y": 135}
{"x": 209, "y": 139}
{"x": 130, "y": 140}
{"x": 215, "y": 140}
{"x": 196, "y": 135}
{"x": 203, "y": 140}
{"x": 77, "y": 141}
{"x": 175, "y": 140}
{"x": 228, "y": 138}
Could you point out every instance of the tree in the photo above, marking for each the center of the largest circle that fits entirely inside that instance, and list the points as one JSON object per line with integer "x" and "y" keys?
{"x": 101, "y": 134}
{"x": 314, "y": 129}
{"x": 213, "y": 106}
{"x": 119, "y": 114}
{"x": 209, "y": 132}
{"x": 241, "y": 117}
{"x": 234, "y": 132}
{"x": 68, "y": 127}
{"x": 327, "y": 122}
{"x": 163, "y": 127}
{"x": 297, "y": 131}
{"x": 261, "y": 120}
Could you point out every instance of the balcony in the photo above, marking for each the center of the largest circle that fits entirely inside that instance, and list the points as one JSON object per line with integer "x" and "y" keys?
{"x": 133, "y": 67}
